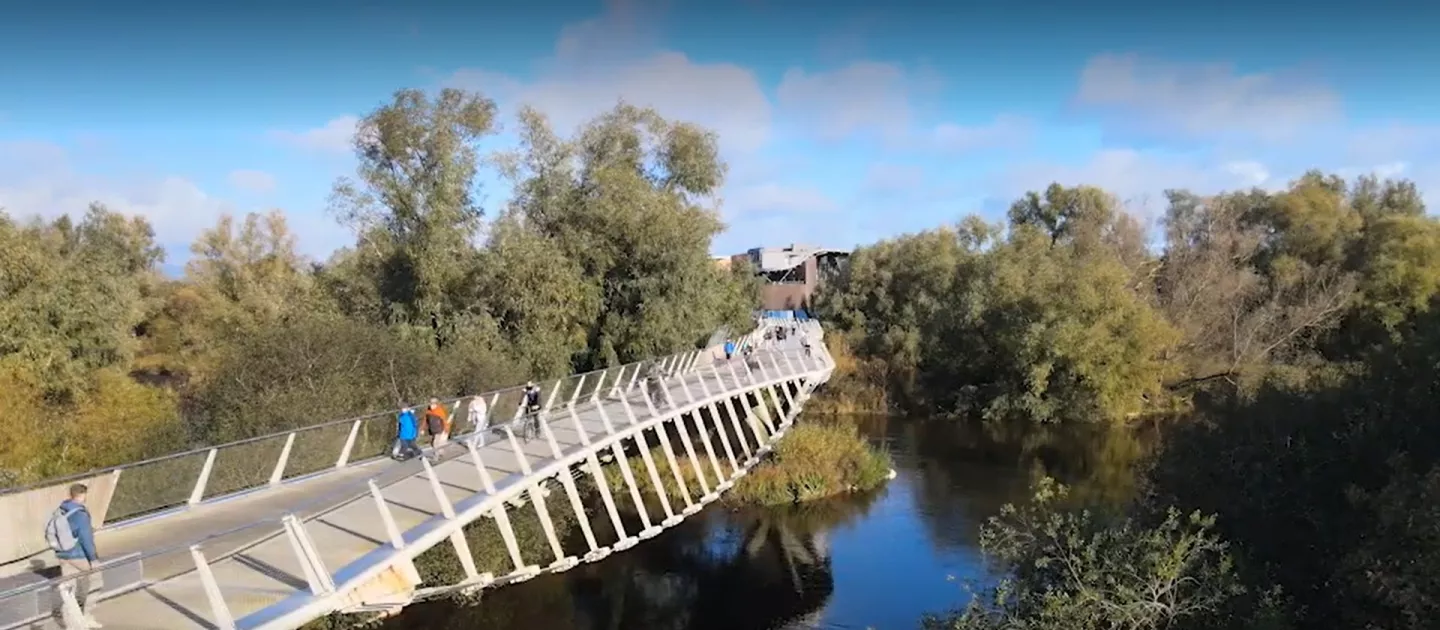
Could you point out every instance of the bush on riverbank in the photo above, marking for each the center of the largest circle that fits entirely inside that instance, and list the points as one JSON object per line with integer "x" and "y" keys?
{"x": 1083, "y": 569}
{"x": 856, "y": 386}
{"x": 814, "y": 461}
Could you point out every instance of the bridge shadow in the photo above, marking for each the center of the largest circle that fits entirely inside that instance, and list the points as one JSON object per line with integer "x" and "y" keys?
{"x": 762, "y": 568}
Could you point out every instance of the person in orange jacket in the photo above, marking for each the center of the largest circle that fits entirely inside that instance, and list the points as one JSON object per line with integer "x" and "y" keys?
{"x": 437, "y": 424}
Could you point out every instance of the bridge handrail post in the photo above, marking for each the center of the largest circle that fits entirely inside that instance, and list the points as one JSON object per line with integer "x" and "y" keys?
{"x": 575, "y": 395}
{"x": 631, "y": 384}
{"x": 349, "y": 445}
{"x": 554, "y": 391}
{"x": 764, "y": 414}
{"x": 665, "y": 391}
{"x": 649, "y": 404}
{"x": 604, "y": 415}
{"x": 720, "y": 380}
{"x": 780, "y": 415}
{"x": 704, "y": 434}
{"x": 785, "y": 389}
{"x": 685, "y": 387}
{"x": 223, "y": 619}
{"x": 568, "y": 483}
{"x": 316, "y": 575}
{"x": 736, "y": 374}
{"x": 629, "y": 474}
{"x": 735, "y": 423}
{"x": 786, "y": 357}
{"x": 446, "y": 508}
{"x": 700, "y": 379}
{"x": 520, "y": 457}
{"x": 724, "y": 439}
{"x": 765, "y": 375}
{"x": 550, "y": 439}
{"x": 775, "y": 363}
{"x": 284, "y": 458}
{"x": 197, "y": 494}
{"x": 387, "y": 518}
{"x": 502, "y": 518}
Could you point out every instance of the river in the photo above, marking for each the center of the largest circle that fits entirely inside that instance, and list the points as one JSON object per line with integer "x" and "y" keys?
{"x": 879, "y": 560}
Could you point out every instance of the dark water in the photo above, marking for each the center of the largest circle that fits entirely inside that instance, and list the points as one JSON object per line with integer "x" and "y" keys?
{"x": 879, "y": 560}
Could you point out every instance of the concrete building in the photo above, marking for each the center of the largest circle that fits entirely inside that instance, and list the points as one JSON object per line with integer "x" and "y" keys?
{"x": 792, "y": 274}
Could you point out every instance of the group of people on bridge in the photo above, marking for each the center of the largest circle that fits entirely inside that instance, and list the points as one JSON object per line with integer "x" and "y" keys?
{"x": 436, "y": 422}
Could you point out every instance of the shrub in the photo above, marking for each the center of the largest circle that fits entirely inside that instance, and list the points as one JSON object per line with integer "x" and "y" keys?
{"x": 814, "y": 461}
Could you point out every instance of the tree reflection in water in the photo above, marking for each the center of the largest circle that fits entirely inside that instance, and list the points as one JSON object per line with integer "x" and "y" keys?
{"x": 769, "y": 569}
{"x": 967, "y": 471}
{"x": 761, "y": 569}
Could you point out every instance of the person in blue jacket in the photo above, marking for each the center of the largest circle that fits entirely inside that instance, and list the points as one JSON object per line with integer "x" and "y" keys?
{"x": 729, "y": 349}
{"x": 81, "y": 558}
{"x": 407, "y": 431}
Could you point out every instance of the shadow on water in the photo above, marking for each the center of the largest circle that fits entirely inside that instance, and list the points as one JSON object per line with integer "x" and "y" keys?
{"x": 874, "y": 560}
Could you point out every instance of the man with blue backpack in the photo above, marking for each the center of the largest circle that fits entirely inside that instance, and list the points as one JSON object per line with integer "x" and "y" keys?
{"x": 70, "y": 534}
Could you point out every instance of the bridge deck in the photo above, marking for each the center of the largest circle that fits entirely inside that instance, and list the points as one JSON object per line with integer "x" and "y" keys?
{"x": 257, "y": 567}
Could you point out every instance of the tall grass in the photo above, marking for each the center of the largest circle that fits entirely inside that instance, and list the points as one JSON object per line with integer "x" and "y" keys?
{"x": 814, "y": 461}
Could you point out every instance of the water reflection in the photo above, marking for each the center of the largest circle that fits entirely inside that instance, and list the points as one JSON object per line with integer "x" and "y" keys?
{"x": 878, "y": 560}
{"x": 717, "y": 570}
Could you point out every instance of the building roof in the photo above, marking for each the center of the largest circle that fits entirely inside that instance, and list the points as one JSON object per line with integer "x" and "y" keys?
{"x": 768, "y": 259}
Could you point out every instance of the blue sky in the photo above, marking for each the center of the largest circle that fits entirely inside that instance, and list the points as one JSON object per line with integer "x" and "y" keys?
{"x": 843, "y": 123}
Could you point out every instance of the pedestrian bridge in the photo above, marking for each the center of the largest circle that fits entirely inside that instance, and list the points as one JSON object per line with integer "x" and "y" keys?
{"x": 276, "y": 531}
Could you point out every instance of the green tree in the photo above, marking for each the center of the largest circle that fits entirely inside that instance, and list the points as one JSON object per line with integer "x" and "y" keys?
{"x": 1076, "y": 569}
{"x": 625, "y": 201}
{"x": 73, "y": 294}
{"x": 415, "y": 204}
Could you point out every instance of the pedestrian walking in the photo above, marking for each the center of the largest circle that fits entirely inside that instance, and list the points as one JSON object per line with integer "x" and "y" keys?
{"x": 407, "y": 430}
{"x": 70, "y": 534}
{"x": 437, "y": 424}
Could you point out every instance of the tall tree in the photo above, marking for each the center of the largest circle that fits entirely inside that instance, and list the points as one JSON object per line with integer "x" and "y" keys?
{"x": 416, "y": 204}
{"x": 627, "y": 200}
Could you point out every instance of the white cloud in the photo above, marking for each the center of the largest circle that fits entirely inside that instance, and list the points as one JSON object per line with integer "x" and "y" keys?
{"x": 1379, "y": 143}
{"x": 862, "y": 97}
{"x": 1004, "y": 131}
{"x": 1202, "y": 100}
{"x": 333, "y": 137}
{"x": 723, "y": 97}
{"x": 1138, "y": 178}
{"x": 598, "y": 62}
{"x": 258, "y": 182}
{"x": 48, "y": 186}
{"x": 776, "y": 199}
{"x": 1250, "y": 172}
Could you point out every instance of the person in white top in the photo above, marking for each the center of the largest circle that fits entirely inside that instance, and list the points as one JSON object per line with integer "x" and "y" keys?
{"x": 479, "y": 415}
